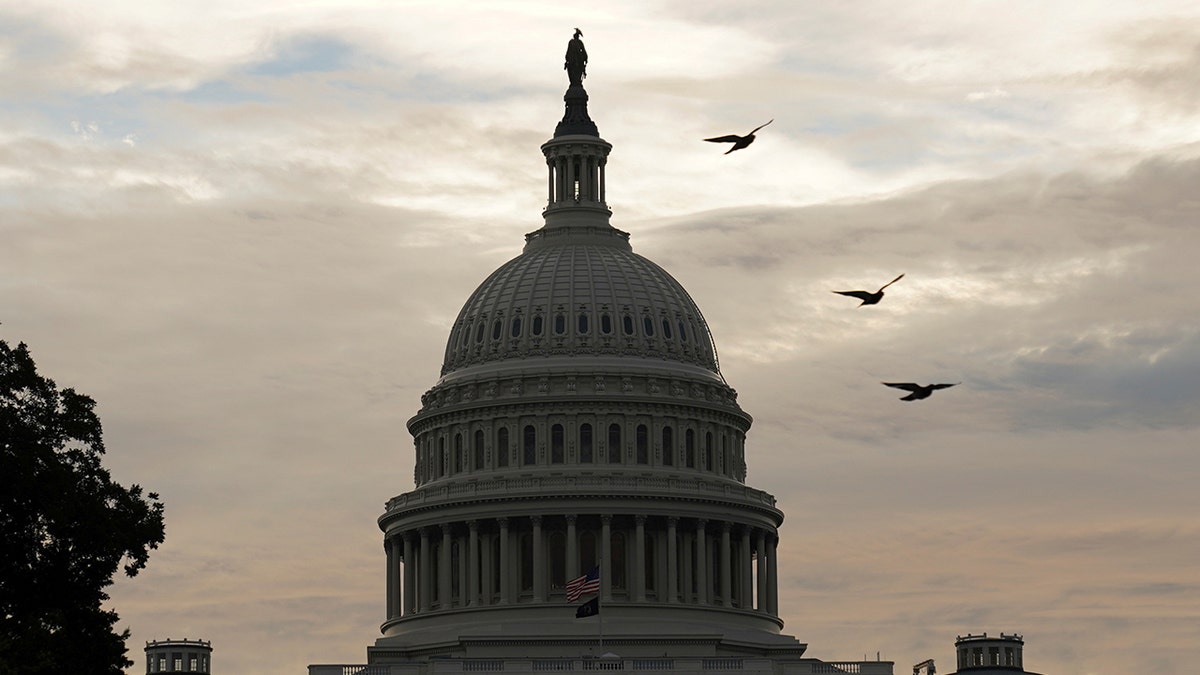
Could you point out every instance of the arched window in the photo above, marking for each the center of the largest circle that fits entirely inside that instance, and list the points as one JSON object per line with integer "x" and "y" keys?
{"x": 643, "y": 444}
{"x": 558, "y": 561}
{"x": 560, "y": 323}
{"x": 648, "y": 326}
{"x": 502, "y": 448}
{"x": 627, "y": 324}
{"x": 536, "y": 328}
{"x": 614, "y": 444}
{"x": 605, "y": 323}
{"x": 668, "y": 446}
{"x": 458, "y": 453}
{"x": 478, "y": 450}
{"x": 617, "y": 562}
{"x": 588, "y": 557}
{"x": 526, "y": 543}
{"x": 516, "y": 326}
{"x": 682, "y": 332}
{"x": 689, "y": 448}
{"x": 496, "y": 328}
{"x": 556, "y": 444}
{"x": 529, "y": 458}
{"x": 479, "y": 332}
{"x": 585, "y": 443}
{"x": 666, "y": 325}
{"x": 583, "y": 323}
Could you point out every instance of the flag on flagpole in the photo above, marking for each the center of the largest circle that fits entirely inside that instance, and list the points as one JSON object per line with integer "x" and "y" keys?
{"x": 588, "y": 583}
{"x": 589, "y": 608}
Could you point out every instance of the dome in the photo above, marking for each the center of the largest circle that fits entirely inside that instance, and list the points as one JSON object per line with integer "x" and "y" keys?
{"x": 578, "y": 296}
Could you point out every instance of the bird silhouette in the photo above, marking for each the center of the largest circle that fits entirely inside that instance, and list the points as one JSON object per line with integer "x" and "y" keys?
{"x": 867, "y": 297}
{"x": 918, "y": 391}
{"x": 739, "y": 142}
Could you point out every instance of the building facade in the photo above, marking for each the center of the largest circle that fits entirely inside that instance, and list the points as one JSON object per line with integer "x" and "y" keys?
{"x": 178, "y": 656}
{"x": 581, "y": 422}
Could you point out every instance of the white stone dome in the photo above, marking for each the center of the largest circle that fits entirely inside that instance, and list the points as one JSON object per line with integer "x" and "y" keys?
{"x": 579, "y": 295}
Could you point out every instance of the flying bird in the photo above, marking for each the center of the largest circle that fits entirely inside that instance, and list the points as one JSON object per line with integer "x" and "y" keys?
{"x": 739, "y": 142}
{"x": 918, "y": 391}
{"x": 867, "y": 297}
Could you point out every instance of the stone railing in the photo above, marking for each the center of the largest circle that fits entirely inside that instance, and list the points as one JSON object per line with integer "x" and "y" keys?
{"x": 634, "y": 666}
{"x": 540, "y": 486}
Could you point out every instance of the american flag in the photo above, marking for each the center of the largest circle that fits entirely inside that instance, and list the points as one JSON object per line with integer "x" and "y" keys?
{"x": 588, "y": 583}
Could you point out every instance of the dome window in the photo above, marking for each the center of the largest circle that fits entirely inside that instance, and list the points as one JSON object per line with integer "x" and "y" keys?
{"x": 502, "y": 447}
{"x": 666, "y": 328}
{"x": 668, "y": 446}
{"x": 585, "y": 443}
{"x": 516, "y": 326}
{"x": 497, "y": 327}
{"x": 614, "y": 444}
{"x": 529, "y": 458}
{"x": 648, "y": 326}
{"x": 458, "y": 453}
{"x": 605, "y": 323}
{"x": 560, "y": 323}
{"x": 536, "y": 327}
{"x": 556, "y": 444}
{"x": 643, "y": 444}
{"x": 689, "y": 448}
{"x": 477, "y": 451}
{"x": 583, "y": 323}
{"x": 627, "y": 324}
{"x": 682, "y": 332}
{"x": 479, "y": 333}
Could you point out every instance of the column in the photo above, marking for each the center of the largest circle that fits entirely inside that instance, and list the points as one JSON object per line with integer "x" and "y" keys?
{"x": 463, "y": 568}
{"x": 424, "y": 570}
{"x": 488, "y": 567}
{"x": 639, "y": 562}
{"x": 689, "y": 556}
{"x": 672, "y": 561}
{"x": 605, "y": 559}
{"x": 572, "y": 549}
{"x": 603, "y": 161}
{"x": 772, "y": 576}
{"x": 550, "y": 187}
{"x": 747, "y": 581}
{"x": 444, "y": 578}
{"x": 539, "y": 561}
{"x": 410, "y": 566}
{"x": 570, "y": 178}
{"x": 472, "y": 598}
{"x": 761, "y": 605}
{"x": 391, "y": 578}
{"x": 703, "y": 582}
{"x": 505, "y": 577}
{"x": 726, "y": 559}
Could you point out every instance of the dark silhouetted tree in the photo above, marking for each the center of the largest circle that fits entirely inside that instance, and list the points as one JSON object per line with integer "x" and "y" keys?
{"x": 65, "y": 528}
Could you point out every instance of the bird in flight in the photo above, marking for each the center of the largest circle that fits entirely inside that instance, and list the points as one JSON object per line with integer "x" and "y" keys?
{"x": 739, "y": 142}
{"x": 918, "y": 391}
{"x": 867, "y": 297}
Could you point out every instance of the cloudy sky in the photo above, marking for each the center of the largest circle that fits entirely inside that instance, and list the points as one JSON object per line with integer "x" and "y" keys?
{"x": 246, "y": 227}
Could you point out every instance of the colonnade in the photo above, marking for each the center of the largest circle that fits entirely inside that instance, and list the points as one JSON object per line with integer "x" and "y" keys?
{"x": 528, "y": 559}
{"x": 576, "y": 177}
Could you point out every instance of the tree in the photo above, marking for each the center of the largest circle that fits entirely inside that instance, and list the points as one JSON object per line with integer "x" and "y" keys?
{"x": 65, "y": 528}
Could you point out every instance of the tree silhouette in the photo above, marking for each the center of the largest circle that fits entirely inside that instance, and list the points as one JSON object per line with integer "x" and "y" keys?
{"x": 65, "y": 528}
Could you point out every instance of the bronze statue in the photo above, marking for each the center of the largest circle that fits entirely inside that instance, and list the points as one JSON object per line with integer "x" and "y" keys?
{"x": 576, "y": 63}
